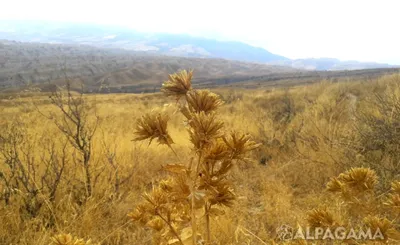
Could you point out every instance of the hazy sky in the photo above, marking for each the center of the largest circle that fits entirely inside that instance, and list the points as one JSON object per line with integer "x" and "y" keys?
{"x": 345, "y": 29}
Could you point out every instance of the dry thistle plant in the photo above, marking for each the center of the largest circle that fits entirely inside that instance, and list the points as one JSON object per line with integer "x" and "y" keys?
{"x": 198, "y": 188}
{"x": 365, "y": 207}
{"x": 356, "y": 186}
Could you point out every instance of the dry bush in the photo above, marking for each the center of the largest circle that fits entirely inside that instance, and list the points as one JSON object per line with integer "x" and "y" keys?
{"x": 32, "y": 169}
{"x": 75, "y": 123}
{"x": 379, "y": 130}
{"x": 363, "y": 205}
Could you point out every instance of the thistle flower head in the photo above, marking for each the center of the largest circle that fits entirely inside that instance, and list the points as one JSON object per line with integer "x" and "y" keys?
{"x": 141, "y": 213}
{"x": 396, "y": 187}
{"x": 153, "y": 126}
{"x": 178, "y": 84}
{"x": 204, "y": 128}
{"x": 393, "y": 200}
{"x": 334, "y": 185}
{"x": 217, "y": 151}
{"x": 203, "y": 101}
{"x": 320, "y": 217}
{"x": 362, "y": 179}
{"x": 156, "y": 223}
{"x": 385, "y": 226}
{"x": 68, "y": 239}
{"x": 221, "y": 194}
{"x": 239, "y": 144}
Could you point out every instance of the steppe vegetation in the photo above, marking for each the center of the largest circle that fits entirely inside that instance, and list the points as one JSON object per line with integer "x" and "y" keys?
{"x": 79, "y": 169}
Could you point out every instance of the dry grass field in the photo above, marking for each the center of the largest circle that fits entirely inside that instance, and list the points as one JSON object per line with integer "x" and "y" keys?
{"x": 326, "y": 155}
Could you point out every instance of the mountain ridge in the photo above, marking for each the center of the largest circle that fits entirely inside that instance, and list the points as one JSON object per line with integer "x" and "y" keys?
{"x": 23, "y": 64}
{"x": 182, "y": 45}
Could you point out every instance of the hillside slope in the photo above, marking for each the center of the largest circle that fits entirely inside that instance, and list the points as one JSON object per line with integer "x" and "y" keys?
{"x": 36, "y": 63}
{"x": 116, "y": 37}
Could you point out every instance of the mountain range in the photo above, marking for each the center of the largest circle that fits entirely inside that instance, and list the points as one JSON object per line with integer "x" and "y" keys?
{"x": 24, "y": 64}
{"x": 179, "y": 45}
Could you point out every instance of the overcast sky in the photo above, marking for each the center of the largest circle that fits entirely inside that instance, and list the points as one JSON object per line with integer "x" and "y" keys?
{"x": 345, "y": 29}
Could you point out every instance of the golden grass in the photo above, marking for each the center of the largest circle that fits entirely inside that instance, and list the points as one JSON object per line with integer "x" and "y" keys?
{"x": 310, "y": 135}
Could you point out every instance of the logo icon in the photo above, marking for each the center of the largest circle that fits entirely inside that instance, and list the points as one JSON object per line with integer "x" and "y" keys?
{"x": 285, "y": 232}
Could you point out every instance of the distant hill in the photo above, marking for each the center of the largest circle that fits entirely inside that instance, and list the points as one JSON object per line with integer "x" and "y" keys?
{"x": 162, "y": 44}
{"x": 329, "y": 64}
{"x": 114, "y": 37}
{"x": 41, "y": 65}
{"x": 113, "y": 70}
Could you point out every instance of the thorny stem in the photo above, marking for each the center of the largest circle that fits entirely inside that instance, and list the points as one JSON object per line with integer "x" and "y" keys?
{"x": 207, "y": 208}
{"x": 207, "y": 214}
{"x": 171, "y": 228}
{"x": 172, "y": 149}
{"x": 254, "y": 235}
{"x": 193, "y": 191}
{"x": 193, "y": 202}
{"x": 112, "y": 232}
{"x": 166, "y": 221}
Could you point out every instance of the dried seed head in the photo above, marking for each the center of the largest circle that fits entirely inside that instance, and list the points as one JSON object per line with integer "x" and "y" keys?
{"x": 157, "y": 197}
{"x": 224, "y": 167}
{"x": 393, "y": 202}
{"x": 204, "y": 128}
{"x": 67, "y": 239}
{"x": 153, "y": 126}
{"x": 320, "y": 218}
{"x": 166, "y": 185}
{"x": 178, "y": 84}
{"x": 384, "y": 225}
{"x": 62, "y": 239}
{"x": 141, "y": 213}
{"x": 203, "y": 100}
{"x": 396, "y": 187}
{"x": 239, "y": 144}
{"x": 360, "y": 179}
{"x": 334, "y": 185}
{"x": 217, "y": 151}
{"x": 156, "y": 224}
{"x": 221, "y": 194}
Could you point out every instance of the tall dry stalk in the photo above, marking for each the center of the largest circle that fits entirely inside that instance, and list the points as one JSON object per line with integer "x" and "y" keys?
{"x": 197, "y": 189}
